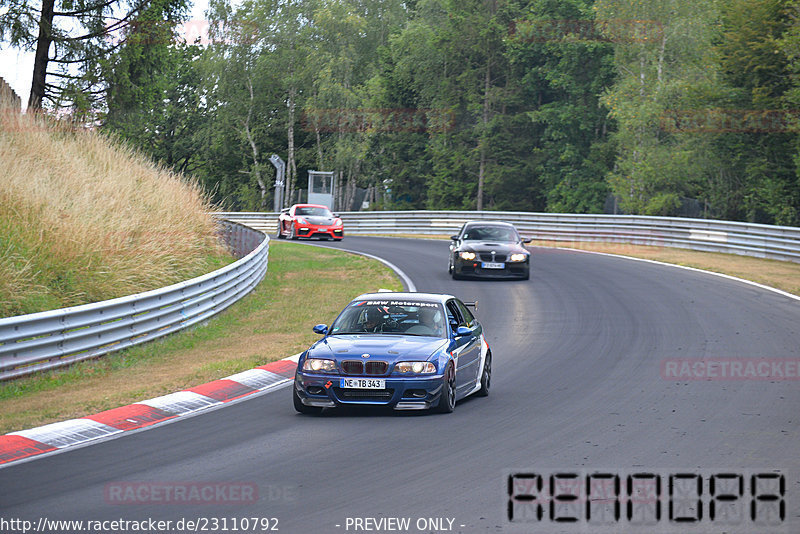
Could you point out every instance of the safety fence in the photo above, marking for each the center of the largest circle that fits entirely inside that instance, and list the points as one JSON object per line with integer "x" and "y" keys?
{"x": 50, "y": 339}
{"x": 759, "y": 240}
{"x": 46, "y": 340}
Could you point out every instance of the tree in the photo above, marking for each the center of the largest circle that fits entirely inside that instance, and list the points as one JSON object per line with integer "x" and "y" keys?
{"x": 756, "y": 61}
{"x": 666, "y": 68}
{"x": 154, "y": 96}
{"x": 564, "y": 64}
{"x": 79, "y": 36}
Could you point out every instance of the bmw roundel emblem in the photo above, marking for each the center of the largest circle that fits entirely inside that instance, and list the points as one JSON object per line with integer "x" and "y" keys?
{"x": 365, "y": 355}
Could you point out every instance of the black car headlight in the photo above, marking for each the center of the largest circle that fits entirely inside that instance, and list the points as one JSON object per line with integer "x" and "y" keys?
{"x": 518, "y": 257}
{"x": 467, "y": 255}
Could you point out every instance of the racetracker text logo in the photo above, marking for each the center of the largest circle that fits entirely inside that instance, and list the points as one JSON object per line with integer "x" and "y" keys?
{"x": 730, "y": 120}
{"x": 181, "y": 493}
{"x": 584, "y": 30}
{"x": 200, "y": 32}
{"x": 349, "y": 120}
{"x": 730, "y": 369}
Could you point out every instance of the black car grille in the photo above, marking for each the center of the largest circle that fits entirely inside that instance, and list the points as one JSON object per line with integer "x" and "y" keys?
{"x": 351, "y": 367}
{"x": 376, "y": 368}
{"x": 497, "y": 257}
{"x": 364, "y": 394}
{"x": 357, "y": 367}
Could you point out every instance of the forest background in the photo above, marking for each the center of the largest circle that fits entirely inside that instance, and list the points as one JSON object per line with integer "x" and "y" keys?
{"x": 657, "y": 107}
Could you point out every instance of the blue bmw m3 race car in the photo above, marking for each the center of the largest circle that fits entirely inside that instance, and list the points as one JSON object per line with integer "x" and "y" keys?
{"x": 408, "y": 351}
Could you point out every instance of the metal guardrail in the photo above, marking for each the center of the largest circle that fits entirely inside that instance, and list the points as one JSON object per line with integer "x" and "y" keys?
{"x": 50, "y": 339}
{"x": 758, "y": 240}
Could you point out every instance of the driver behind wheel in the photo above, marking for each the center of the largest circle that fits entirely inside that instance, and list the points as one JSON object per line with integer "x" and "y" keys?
{"x": 373, "y": 320}
{"x": 430, "y": 318}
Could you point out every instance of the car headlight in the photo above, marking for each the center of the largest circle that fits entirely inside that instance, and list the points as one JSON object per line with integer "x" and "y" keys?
{"x": 467, "y": 255}
{"x": 318, "y": 365}
{"x": 419, "y": 368}
{"x": 518, "y": 257}
{"x": 301, "y": 220}
{"x": 337, "y": 222}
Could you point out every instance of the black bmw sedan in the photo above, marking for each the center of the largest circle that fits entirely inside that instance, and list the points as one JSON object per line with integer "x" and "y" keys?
{"x": 489, "y": 249}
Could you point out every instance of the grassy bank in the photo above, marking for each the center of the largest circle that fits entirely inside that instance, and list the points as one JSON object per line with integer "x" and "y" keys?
{"x": 84, "y": 219}
{"x": 304, "y": 286}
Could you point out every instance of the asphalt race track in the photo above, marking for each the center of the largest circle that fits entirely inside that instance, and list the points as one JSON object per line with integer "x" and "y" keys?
{"x": 579, "y": 355}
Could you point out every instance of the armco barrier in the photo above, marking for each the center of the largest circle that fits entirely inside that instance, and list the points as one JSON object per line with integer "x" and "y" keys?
{"x": 45, "y": 340}
{"x": 759, "y": 240}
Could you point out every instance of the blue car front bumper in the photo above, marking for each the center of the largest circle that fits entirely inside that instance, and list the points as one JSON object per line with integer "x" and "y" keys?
{"x": 326, "y": 391}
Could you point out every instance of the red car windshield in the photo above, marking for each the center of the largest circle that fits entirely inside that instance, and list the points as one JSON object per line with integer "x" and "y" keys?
{"x": 313, "y": 211}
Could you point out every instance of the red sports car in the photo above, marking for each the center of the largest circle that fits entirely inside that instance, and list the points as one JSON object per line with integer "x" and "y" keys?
{"x": 309, "y": 220}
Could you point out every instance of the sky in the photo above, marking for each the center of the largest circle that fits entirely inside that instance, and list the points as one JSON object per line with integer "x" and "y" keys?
{"x": 16, "y": 66}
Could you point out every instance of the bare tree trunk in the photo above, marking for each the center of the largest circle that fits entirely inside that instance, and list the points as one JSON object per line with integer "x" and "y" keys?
{"x": 351, "y": 194}
{"x": 339, "y": 191}
{"x": 291, "y": 165}
{"x": 482, "y": 141}
{"x": 42, "y": 55}
{"x": 636, "y": 187}
{"x": 320, "y": 164}
{"x": 256, "y": 154}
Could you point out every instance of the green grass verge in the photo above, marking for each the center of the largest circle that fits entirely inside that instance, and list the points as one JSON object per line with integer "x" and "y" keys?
{"x": 304, "y": 286}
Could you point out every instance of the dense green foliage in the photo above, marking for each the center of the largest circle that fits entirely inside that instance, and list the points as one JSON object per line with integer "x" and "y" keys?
{"x": 534, "y": 105}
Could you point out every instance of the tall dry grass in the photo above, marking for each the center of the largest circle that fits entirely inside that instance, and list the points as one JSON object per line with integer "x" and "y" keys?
{"x": 84, "y": 219}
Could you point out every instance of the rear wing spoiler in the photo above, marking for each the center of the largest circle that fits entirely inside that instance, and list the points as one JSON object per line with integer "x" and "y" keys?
{"x": 473, "y": 304}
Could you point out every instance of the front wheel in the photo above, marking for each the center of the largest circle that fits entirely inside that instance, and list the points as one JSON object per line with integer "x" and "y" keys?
{"x": 302, "y": 408}
{"x": 447, "y": 400}
{"x": 486, "y": 376}
{"x": 292, "y": 234}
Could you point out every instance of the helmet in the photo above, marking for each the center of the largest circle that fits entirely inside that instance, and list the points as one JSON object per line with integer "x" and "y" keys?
{"x": 430, "y": 317}
{"x": 373, "y": 316}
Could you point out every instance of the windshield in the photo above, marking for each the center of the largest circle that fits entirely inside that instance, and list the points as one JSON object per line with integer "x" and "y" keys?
{"x": 490, "y": 233}
{"x": 313, "y": 211}
{"x": 391, "y": 317}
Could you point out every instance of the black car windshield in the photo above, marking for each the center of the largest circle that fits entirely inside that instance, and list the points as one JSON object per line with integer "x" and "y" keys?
{"x": 313, "y": 211}
{"x": 391, "y": 317}
{"x": 490, "y": 233}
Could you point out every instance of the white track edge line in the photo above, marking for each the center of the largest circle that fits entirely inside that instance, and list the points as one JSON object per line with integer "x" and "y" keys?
{"x": 722, "y": 275}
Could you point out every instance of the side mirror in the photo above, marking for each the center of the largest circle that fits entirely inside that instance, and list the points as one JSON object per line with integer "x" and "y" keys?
{"x": 454, "y": 238}
{"x": 462, "y": 331}
{"x": 527, "y": 240}
{"x": 335, "y": 215}
{"x": 321, "y": 329}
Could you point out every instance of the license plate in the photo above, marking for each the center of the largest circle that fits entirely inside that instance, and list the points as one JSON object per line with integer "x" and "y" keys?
{"x": 492, "y": 265}
{"x": 363, "y": 383}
